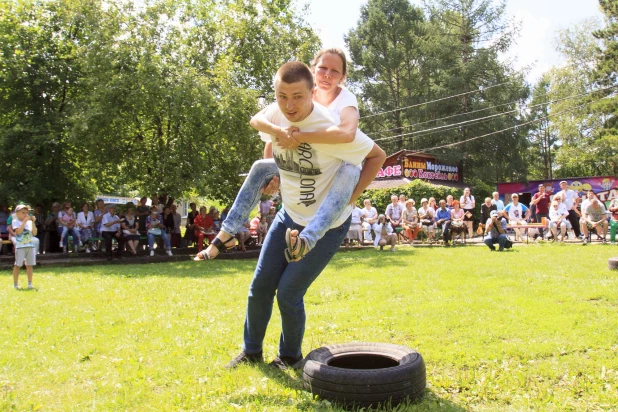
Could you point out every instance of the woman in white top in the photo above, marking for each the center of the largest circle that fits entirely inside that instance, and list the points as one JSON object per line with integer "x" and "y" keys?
{"x": 371, "y": 216}
{"x": 468, "y": 204}
{"x": 85, "y": 223}
{"x": 329, "y": 68}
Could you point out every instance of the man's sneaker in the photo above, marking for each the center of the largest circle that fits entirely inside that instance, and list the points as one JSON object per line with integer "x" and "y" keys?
{"x": 285, "y": 362}
{"x": 87, "y": 250}
{"x": 585, "y": 241}
{"x": 169, "y": 253}
{"x": 16, "y": 287}
{"x": 152, "y": 253}
{"x": 61, "y": 245}
{"x": 245, "y": 358}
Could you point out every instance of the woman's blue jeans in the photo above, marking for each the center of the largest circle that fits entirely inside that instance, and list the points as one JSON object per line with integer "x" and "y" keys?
{"x": 66, "y": 232}
{"x": 289, "y": 281}
{"x": 329, "y": 211}
{"x": 164, "y": 236}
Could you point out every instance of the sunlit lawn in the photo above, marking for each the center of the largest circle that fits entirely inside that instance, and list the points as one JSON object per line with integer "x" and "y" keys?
{"x": 536, "y": 328}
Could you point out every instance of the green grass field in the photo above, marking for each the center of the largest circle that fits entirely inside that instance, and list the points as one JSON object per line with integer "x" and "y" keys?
{"x": 532, "y": 329}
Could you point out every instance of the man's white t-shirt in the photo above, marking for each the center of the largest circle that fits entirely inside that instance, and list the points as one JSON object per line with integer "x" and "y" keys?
{"x": 569, "y": 197}
{"x": 555, "y": 214}
{"x": 357, "y": 216}
{"x": 370, "y": 213}
{"x": 308, "y": 172}
{"x": 516, "y": 213}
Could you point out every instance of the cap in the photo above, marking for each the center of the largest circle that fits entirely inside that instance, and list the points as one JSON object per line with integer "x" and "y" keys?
{"x": 493, "y": 213}
{"x": 564, "y": 181}
{"x": 20, "y": 207}
{"x": 423, "y": 200}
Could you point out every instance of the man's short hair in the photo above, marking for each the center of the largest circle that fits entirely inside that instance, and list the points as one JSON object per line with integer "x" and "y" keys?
{"x": 292, "y": 72}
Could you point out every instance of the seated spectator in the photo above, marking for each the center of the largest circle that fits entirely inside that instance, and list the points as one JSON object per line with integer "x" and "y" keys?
{"x": 204, "y": 228}
{"x": 410, "y": 221}
{"x": 99, "y": 211}
{"x": 262, "y": 230}
{"x": 433, "y": 204}
{"x": 393, "y": 212}
{"x": 518, "y": 214}
{"x": 443, "y": 221}
{"x": 243, "y": 235}
{"x": 226, "y": 210}
{"x": 110, "y": 229}
{"x": 253, "y": 223}
{"x": 594, "y": 218}
{"x": 40, "y": 228}
{"x": 495, "y": 231}
{"x": 371, "y": 217}
{"x": 458, "y": 225}
{"x": 449, "y": 202}
{"x": 190, "y": 228}
{"x": 402, "y": 202}
{"x": 69, "y": 228}
{"x": 384, "y": 233}
{"x": 216, "y": 220}
{"x": 130, "y": 230}
{"x": 426, "y": 216}
{"x": 85, "y": 223}
{"x": 613, "y": 222}
{"x": 177, "y": 240}
{"x": 486, "y": 208}
{"x": 4, "y": 216}
{"x": 156, "y": 227}
{"x": 356, "y": 228}
{"x": 558, "y": 217}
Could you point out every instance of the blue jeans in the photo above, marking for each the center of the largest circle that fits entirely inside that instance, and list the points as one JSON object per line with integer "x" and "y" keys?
{"x": 164, "y": 236}
{"x": 331, "y": 208}
{"x": 290, "y": 281}
{"x": 491, "y": 241}
{"x": 65, "y": 236}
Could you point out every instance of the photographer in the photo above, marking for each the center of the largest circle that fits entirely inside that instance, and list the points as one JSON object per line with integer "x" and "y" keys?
{"x": 495, "y": 232}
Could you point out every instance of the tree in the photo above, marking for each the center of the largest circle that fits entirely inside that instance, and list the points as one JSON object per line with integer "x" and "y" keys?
{"x": 453, "y": 51}
{"x": 607, "y": 75}
{"x": 542, "y": 135}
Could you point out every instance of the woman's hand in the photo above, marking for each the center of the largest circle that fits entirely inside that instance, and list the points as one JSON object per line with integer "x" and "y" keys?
{"x": 286, "y": 140}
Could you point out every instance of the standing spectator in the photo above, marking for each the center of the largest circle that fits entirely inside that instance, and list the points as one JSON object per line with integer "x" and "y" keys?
{"x": 177, "y": 240}
{"x": 155, "y": 227}
{"x": 355, "y": 230}
{"x": 593, "y": 217}
{"x": 130, "y": 230}
{"x": 39, "y": 222}
{"x": 499, "y": 204}
{"x": 384, "y": 234}
{"x": 571, "y": 201}
{"x": 613, "y": 222}
{"x": 495, "y": 231}
{"x": 142, "y": 213}
{"x": 110, "y": 228}
{"x": 443, "y": 220}
{"x": 541, "y": 200}
{"x": 85, "y": 223}
{"x": 402, "y": 201}
{"x": 410, "y": 221}
{"x": 51, "y": 229}
{"x": 427, "y": 218}
{"x": 371, "y": 217}
{"x": 155, "y": 203}
{"x": 262, "y": 230}
{"x": 190, "y": 229}
{"x": 393, "y": 212}
{"x": 204, "y": 228}
{"x": 486, "y": 208}
{"x": 272, "y": 213}
{"x": 468, "y": 204}
{"x": 449, "y": 202}
{"x": 169, "y": 224}
{"x": 518, "y": 213}
{"x": 265, "y": 205}
{"x": 25, "y": 230}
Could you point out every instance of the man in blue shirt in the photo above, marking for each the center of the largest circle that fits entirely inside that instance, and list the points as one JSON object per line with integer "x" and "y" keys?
{"x": 443, "y": 219}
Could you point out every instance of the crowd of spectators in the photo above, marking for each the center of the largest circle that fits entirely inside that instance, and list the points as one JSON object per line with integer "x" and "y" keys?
{"x": 454, "y": 219}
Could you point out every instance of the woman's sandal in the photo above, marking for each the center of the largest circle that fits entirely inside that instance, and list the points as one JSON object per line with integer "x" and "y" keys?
{"x": 221, "y": 247}
{"x": 296, "y": 250}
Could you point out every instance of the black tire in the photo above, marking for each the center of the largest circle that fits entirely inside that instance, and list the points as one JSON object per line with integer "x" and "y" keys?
{"x": 365, "y": 374}
{"x": 613, "y": 263}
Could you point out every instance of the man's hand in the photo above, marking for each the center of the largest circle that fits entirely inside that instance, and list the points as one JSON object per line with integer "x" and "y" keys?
{"x": 33, "y": 218}
{"x": 271, "y": 188}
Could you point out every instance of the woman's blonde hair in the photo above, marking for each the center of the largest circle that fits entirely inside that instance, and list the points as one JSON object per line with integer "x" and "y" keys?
{"x": 332, "y": 50}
